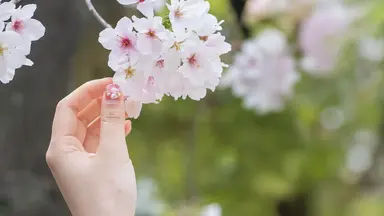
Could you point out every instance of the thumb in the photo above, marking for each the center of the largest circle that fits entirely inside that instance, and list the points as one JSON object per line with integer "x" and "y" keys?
{"x": 112, "y": 132}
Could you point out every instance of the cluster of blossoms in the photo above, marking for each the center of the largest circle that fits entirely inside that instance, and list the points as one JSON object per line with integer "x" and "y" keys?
{"x": 261, "y": 9}
{"x": 177, "y": 56}
{"x": 18, "y": 32}
{"x": 263, "y": 73}
{"x": 321, "y": 36}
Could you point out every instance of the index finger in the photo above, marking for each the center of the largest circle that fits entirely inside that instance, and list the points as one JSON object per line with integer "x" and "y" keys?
{"x": 65, "y": 122}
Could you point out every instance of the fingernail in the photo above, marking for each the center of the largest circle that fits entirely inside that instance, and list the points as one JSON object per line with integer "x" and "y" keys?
{"x": 113, "y": 92}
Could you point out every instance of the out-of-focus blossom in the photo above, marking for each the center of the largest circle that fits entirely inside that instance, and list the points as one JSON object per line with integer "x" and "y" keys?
{"x": 359, "y": 156}
{"x": 211, "y": 210}
{"x": 321, "y": 36}
{"x": 259, "y": 9}
{"x": 332, "y": 118}
{"x": 147, "y": 203}
{"x": 263, "y": 73}
{"x": 372, "y": 49}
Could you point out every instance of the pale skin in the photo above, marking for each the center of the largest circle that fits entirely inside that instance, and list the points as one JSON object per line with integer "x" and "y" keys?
{"x": 88, "y": 155}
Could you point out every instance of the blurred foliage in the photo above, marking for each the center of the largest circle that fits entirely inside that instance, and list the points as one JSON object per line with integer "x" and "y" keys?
{"x": 215, "y": 151}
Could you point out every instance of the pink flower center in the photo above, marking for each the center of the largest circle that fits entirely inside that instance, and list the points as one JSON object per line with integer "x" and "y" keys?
{"x": 160, "y": 63}
{"x": 18, "y": 25}
{"x": 193, "y": 61}
{"x": 126, "y": 43}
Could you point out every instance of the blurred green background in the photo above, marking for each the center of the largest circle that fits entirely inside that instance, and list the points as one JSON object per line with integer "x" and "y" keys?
{"x": 188, "y": 154}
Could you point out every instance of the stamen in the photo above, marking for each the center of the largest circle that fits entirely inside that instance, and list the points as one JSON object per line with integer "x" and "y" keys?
{"x": 178, "y": 13}
{"x": 193, "y": 61}
{"x": 151, "y": 80}
{"x": 129, "y": 72}
{"x": 177, "y": 46}
{"x": 203, "y": 38}
{"x": 151, "y": 34}
{"x": 2, "y": 50}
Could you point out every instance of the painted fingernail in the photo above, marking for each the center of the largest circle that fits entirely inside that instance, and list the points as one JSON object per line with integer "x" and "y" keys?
{"x": 113, "y": 92}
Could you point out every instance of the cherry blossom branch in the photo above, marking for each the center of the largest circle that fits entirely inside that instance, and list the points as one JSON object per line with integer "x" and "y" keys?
{"x": 93, "y": 10}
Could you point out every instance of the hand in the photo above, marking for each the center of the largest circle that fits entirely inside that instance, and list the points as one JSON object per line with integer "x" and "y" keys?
{"x": 88, "y": 155}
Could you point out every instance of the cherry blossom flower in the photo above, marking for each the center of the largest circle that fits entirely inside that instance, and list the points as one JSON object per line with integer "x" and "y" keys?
{"x": 153, "y": 59}
{"x": 163, "y": 68}
{"x": 211, "y": 210}
{"x": 372, "y": 48}
{"x": 184, "y": 13}
{"x": 196, "y": 63}
{"x": 263, "y": 73}
{"x": 151, "y": 34}
{"x": 320, "y": 37}
{"x": 360, "y": 154}
{"x": 259, "y": 9}
{"x": 22, "y": 23}
{"x": 121, "y": 41}
{"x": 11, "y": 57}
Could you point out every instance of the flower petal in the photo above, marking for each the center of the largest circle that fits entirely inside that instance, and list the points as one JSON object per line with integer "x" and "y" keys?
{"x": 10, "y": 38}
{"x": 127, "y": 2}
{"x": 146, "y": 8}
{"x": 7, "y": 76}
{"x": 34, "y": 29}
{"x": 15, "y": 59}
{"x": 6, "y": 10}
{"x": 124, "y": 26}
{"x": 107, "y": 38}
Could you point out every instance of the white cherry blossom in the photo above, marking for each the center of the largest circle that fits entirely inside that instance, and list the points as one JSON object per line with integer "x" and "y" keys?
{"x": 211, "y": 210}
{"x": 22, "y": 23}
{"x": 178, "y": 57}
{"x": 19, "y": 29}
{"x": 371, "y": 48}
{"x": 321, "y": 37}
{"x": 196, "y": 63}
{"x": 11, "y": 57}
{"x": 151, "y": 34}
{"x": 185, "y": 13}
{"x": 121, "y": 41}
{"x": 263, "y": 73}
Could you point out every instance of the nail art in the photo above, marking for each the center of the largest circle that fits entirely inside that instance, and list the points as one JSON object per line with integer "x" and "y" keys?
{"x": 113, "y": 92}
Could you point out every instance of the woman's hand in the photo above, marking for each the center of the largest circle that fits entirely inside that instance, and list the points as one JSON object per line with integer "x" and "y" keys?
{"x": 88, "y": 155}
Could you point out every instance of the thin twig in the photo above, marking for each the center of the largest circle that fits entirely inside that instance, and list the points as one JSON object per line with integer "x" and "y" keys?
{"x": 16, "y": 1}
{"x": 93, "y": 10}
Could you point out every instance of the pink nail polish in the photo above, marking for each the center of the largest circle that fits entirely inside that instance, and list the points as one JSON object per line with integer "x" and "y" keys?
{"x": 113, "y": 92}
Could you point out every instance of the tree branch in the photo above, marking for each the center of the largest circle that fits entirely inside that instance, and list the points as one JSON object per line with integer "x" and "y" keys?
{"x": 93, "y": 10}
